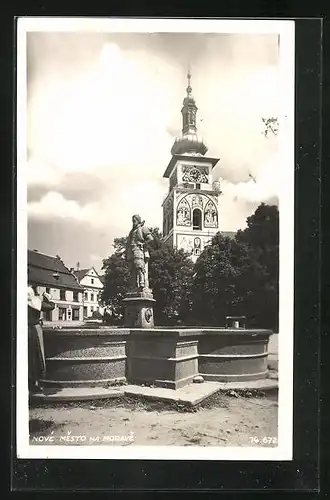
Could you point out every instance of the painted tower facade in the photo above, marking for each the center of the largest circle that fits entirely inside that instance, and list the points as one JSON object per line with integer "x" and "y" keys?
{"x": 190, "y": 209}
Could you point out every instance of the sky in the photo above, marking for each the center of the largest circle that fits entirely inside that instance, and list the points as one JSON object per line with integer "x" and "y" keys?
{"x": 104, "y": 111}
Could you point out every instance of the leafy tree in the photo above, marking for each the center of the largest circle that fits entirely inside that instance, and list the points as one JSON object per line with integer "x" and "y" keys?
{"x": 216, "y": 290}
{"x": 170, "y": 279}
{"x": 170, "y": 273}
{"x": 97, "y": 315}
{"x": 240, "y": 276}
{"x": 261, "y": 237}
{"x": 271, "y": 125}
{"x": 116, "y": 280}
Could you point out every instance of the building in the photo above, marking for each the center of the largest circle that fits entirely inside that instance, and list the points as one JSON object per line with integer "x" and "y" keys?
{"x": 190, "y": 209}
{"x": 92, "y": 284}
{"x": 49, "y": 274}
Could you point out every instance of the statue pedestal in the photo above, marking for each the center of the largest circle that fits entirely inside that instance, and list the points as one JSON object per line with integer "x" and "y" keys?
{"x": 139, "y": 309}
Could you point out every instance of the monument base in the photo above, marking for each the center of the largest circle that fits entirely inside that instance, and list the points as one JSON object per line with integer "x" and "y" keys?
{"x": 139, "y": 311}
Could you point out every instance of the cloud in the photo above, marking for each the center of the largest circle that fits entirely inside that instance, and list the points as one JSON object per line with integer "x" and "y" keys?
{"x": 81, "y": 240}
{"x": 104, "y": 110}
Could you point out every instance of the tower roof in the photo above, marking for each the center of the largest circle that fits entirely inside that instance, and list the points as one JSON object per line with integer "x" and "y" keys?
{"x": 189, "y": 142}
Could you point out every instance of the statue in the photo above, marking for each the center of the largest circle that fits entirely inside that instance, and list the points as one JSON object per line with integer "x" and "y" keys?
{"x": 137, "y": 254}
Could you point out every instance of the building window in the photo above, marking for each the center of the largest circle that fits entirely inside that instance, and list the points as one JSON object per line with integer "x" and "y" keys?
{"x": 75, "y": 313}
{"x": 197, "y": 246}
{"x": 86, "y": 295}
{"x": 197, "y": 219}
{"x": 85, "y": 311}
{"x": 47, "y": 289}
{"x": 198, "y": 186}
{"x": 92, "y": 281}
{"x": 61, "y": 313}
{"x": 75, "y": 296}
{"x": 62, "y": 294}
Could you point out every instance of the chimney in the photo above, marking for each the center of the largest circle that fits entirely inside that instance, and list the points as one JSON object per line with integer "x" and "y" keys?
{"x": 78, "y": 266}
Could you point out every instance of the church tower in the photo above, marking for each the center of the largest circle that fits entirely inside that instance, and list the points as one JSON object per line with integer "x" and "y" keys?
{"x": 190, "y": 209}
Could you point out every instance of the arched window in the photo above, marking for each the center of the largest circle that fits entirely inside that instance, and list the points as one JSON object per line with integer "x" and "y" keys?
{"x": 197, "y": 219}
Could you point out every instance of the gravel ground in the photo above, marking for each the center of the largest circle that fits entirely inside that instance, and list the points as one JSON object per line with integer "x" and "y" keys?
{"x": 232, "y": 419}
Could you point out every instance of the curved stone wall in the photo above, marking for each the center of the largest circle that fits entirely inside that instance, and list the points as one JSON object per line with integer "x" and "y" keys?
{"x": 86, "y": 356}
{"x": 231, "y": 355}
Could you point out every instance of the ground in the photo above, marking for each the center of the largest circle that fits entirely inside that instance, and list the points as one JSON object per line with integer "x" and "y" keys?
{"x": 231, "y": 419}
{"x": 222, "y": 420}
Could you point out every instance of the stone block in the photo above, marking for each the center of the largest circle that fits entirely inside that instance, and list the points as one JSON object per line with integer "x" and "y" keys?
{"x": 139, "y": 312}
{"x": 163, "y": 359}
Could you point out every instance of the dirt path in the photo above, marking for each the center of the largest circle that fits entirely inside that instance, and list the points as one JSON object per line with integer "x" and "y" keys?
{"x": 228, "y": 421}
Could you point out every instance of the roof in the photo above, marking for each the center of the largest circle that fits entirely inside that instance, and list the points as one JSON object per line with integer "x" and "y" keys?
{"x": 41, "y": 268}
{"x": 80, "y": 273}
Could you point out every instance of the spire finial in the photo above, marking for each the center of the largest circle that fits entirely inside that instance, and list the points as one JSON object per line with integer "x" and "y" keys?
{"x": 189, "y": 89}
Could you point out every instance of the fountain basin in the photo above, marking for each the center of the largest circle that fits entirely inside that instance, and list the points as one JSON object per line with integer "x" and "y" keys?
{"x": 85, "y": 356}
{"x": 163, "y": 357}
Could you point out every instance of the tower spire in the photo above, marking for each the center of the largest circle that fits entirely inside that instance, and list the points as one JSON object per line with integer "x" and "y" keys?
{"x": 189, "y": 89}
{"x": 189, "y": 142}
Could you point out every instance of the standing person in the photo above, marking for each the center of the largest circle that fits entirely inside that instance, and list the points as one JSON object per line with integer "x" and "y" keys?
{"x": 36, "y": 351}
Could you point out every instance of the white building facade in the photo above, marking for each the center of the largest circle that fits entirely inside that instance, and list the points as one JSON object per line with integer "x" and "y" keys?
{"x": 92, "y": 284}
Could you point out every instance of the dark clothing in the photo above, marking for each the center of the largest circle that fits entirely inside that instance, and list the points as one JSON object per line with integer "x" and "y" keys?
{"x": 36, "y": 351}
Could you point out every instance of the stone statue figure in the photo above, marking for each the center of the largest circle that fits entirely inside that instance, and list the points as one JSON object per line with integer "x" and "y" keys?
{"x": 137, "y": 254}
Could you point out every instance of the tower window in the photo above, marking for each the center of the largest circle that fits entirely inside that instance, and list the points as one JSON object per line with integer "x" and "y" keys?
{"x": 197, "y": 246}
{"x": 197, "y": 219}
{"x": 198, "y": 186}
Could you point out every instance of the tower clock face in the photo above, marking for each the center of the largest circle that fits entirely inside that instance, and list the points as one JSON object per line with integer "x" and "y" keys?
{"x": 195, "y": 175}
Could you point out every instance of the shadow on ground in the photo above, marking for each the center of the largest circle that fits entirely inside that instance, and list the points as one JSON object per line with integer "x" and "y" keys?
{"x": 38, "y": 426}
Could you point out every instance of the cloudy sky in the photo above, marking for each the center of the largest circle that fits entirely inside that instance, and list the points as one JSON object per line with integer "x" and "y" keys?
{"x": 103, "y": 113}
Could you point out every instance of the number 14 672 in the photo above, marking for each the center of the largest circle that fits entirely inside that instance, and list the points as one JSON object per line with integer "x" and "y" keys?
{"x": 263, "y": 440}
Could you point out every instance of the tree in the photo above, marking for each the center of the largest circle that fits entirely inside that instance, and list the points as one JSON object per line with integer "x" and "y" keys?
{"x": 116, "y": 283}
{"x": 271, "y": 126}
{"x": 170, "y": 273}
{"x": 97, "y": 315}
{"x": 240, "y": 276}
{"x": 261, "y": 238}
{"x": 216, "y": 291}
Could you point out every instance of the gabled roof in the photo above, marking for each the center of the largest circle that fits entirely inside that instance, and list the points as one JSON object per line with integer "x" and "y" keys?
{"x": 80, "y": 273}
{"x": 41, "y": 270}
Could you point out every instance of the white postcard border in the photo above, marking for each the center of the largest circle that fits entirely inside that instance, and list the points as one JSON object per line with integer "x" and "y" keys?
{"x": 283, "y": 451}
